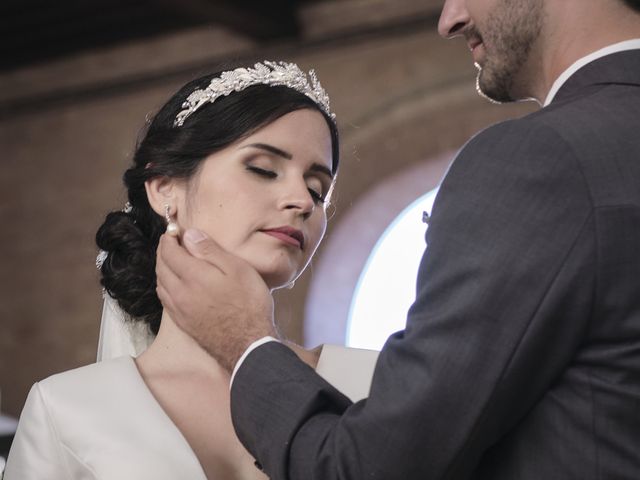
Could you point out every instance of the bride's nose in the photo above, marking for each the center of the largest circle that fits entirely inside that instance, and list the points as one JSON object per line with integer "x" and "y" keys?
{"x": 296, "y": 196}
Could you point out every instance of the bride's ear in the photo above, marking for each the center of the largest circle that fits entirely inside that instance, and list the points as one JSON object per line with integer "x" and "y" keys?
{"x": 162, "y": 191}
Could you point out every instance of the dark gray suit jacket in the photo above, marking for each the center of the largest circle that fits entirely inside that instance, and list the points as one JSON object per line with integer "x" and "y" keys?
{"x": 521, "y": 356}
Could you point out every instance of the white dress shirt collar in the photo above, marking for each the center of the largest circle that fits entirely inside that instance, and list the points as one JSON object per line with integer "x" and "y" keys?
{"x": 617, "y": 47}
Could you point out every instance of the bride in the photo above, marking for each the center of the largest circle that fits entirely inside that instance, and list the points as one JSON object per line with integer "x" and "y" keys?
{"x": 247, "y": 156}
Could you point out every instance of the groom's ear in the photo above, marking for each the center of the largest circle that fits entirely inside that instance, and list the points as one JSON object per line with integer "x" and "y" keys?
{"x": 163, "y": 191}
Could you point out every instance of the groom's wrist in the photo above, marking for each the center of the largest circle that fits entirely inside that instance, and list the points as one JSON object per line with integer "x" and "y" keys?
{"x": 250, "y": 348}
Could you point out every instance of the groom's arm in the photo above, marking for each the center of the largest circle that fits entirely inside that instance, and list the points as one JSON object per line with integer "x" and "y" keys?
{"x": 503, "y": 299}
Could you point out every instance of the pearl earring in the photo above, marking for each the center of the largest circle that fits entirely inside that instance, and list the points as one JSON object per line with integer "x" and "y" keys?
{"x": 172, "y": 228}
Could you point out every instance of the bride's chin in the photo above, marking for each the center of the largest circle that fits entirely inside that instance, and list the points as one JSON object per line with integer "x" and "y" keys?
{"x": 277, "y": 282}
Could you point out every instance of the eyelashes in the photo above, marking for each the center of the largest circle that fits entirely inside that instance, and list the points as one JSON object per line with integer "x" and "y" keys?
{"x": 268, "y": 174}
{"x": 317, "y": 198}
{"x": 262, "y": 172}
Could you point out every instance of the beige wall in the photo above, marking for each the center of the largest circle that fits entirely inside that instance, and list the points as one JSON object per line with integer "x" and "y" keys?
{"x": 68, "y": 128}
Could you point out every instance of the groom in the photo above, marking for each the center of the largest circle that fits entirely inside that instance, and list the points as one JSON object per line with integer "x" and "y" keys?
{"x": 521, "y": 356}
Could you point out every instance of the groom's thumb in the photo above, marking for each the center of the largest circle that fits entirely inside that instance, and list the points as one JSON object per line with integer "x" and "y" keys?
{"x": 194, "y": 236}
{"x": 201, "y": 246}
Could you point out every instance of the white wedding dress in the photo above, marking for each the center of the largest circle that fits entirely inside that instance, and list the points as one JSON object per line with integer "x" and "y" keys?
{"x": 98, "y": 422}
{"x": 102, "y": 422}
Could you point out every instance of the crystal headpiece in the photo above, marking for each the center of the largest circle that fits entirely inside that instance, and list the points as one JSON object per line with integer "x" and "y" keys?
{"x": 265, "y": 73}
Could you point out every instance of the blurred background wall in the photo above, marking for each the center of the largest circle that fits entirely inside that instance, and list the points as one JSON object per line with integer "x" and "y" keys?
{"x": 78, "y": 79}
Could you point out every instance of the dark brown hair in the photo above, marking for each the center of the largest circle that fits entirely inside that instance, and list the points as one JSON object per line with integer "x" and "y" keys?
{"x": 131, "y": 239}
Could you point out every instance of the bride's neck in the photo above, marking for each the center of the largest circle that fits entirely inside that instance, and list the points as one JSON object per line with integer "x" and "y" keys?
{"x": 175, "y": 351}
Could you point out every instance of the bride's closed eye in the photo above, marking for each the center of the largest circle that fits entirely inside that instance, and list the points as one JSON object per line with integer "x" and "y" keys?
{"x": 262, "y": 172}
{"x": 317, "y": 197}
{"x": 316, "y": 193}
{"x": 316, "y": 189}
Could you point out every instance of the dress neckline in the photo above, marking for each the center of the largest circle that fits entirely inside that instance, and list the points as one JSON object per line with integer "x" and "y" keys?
{"x": 130, "y": 362}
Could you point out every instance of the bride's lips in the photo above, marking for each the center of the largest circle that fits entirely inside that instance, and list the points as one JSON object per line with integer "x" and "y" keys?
{"x": 288, "y": 235}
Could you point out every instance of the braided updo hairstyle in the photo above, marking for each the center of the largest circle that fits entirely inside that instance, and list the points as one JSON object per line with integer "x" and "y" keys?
{"x": 131, "y": 238}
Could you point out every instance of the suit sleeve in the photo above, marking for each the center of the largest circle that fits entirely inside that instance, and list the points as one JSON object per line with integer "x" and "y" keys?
{"x": 502, "y": 302}
{"x": 36, "y": 453}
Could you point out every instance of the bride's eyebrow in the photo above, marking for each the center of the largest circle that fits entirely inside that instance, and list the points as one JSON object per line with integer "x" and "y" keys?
{"x": 270, "y": 149}
{"x": 316, "y": 167}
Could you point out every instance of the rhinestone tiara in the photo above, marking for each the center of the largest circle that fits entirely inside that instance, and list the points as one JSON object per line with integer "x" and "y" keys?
{"x": 265, "y": 73}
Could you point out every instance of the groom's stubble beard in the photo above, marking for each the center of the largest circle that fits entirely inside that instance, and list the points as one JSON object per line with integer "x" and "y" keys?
{"x": 509, "y": 34}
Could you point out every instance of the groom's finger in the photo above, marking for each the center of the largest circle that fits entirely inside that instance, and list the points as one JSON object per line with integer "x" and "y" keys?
{"x": 164, "y": 252}
{"x": 165, "y": 277}
{"x": 170, "y": 288}
{"x": 170, "y": 255}
{"x": 165, "y": 299}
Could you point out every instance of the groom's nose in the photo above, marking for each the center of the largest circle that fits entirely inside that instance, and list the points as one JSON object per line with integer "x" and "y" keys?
{"x": 453, "y": 18}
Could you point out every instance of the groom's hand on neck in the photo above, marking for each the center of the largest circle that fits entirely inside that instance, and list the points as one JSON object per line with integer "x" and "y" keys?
{"x": 217, "y": 298}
